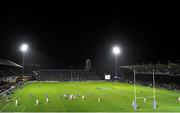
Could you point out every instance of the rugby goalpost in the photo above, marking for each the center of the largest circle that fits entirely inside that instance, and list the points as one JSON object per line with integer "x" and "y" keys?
{"x": 154, "y": 91}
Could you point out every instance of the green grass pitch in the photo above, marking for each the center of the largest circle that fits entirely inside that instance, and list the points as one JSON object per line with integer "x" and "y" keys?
{"x": 115, "y": 97}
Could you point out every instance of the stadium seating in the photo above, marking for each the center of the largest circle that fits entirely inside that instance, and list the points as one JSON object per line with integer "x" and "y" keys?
{"x": 166, "y": 75}
{"x": 66, "y": 75}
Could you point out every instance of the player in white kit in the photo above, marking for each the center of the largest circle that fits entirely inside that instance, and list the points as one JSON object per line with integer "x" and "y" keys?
{"x": 16, "y": 102}
{"x": 47, "y": 100}
{"x": 145, "y": 99}
{"x": 99, "y": 99}
{"x": 37, "y": 102}
{"x": 83, "y": 97}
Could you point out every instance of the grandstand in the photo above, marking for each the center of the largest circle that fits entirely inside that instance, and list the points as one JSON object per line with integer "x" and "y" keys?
{"x": 9, "y": 72}
{"x": 171, "y": 69}
{"x": 67, "y": 74}
{"x": 166, "y": 75}
{"x": 8, "y": 69}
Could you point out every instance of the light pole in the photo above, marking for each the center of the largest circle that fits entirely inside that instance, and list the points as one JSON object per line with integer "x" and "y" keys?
{"x": 23, "y": 48}
{"x": 116, "y": 51}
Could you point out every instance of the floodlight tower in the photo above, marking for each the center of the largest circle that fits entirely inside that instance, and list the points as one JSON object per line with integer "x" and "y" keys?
{"x": 23, "y": 48}
{"x": 116, "y": 51}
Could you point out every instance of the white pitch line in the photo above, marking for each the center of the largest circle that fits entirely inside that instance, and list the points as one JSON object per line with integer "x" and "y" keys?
{"x": 144, "y": 97}
{"x": 23, "y": 109}
{"x": 62, "y": 104}
{"x": 139, "y": 97}
{"x": 150, "y": 97}
{"x": 5, "y": 107}
{"x": 9, "y": 102}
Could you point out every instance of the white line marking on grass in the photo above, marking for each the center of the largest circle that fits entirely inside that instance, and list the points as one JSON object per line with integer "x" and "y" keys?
{"x": 4, "y": 107}
{"x": 23, "y": 109}
{"x": 139, "y": 97}
{"x": 145, "y": 96}
{"x": 62, "y": 104}
{"x": 9, "y": 102}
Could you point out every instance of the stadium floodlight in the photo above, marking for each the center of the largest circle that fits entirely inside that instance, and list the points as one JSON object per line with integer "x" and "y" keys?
{"x": 116, "y": 51}
{"x": 23, "y": 48}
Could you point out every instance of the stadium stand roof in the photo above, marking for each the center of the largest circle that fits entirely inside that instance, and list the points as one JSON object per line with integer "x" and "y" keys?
{"x": 63, "y": 70}
{"x": 4, "y": 62}
{"x": 164, "y": 69}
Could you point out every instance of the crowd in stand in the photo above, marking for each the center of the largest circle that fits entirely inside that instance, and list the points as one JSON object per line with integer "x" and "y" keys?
{"x": 66, "y": 76}
{"x": 8, "y": 81}
{"x": 170, "y": 68}
{"x": 144, "y": 76}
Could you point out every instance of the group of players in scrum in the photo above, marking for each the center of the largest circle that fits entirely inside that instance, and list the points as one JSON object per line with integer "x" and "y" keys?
{"x": 66, "y": 96}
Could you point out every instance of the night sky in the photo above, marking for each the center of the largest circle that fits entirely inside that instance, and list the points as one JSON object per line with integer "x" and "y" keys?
{"x": 62, "y": 38}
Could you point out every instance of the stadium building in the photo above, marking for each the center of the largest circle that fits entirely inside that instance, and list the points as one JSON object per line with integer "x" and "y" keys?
{"x": 9, "y": 75}
{"x": 166, "y": 75}
{"x": 67, "y": 74}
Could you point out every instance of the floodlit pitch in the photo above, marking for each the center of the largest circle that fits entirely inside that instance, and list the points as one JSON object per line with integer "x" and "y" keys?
{"x": 87, "y": 96}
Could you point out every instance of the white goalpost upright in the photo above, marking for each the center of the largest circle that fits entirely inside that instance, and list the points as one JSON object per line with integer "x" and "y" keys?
{"x": 134, "y": 101}
{"x": 135, "y": 95}
{"x": 154, "y": 91}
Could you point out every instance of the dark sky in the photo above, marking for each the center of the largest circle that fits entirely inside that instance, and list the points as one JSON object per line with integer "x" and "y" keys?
{"x": 67, "y": 37}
